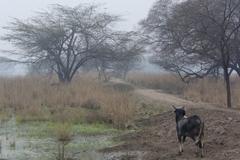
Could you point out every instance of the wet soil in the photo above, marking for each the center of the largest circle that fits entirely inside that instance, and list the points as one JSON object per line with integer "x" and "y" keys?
{"x": 157, "y": 140}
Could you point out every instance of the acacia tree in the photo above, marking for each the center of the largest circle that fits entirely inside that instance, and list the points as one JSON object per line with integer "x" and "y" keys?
{"x": 65, "y": 37}
{"x": 195, "y": 38}
{"x": 130, "y": 47}
{"x": 125, "y": 50}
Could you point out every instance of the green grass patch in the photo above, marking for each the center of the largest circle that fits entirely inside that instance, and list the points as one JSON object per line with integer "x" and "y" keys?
{"x": 47, "y": 129}
{"x": 94, "y": 129}
{"x": 90, "y": 144}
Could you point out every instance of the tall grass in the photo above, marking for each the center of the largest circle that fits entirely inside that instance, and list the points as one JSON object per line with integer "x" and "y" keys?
{"x": 213, "y": 91}
{"x": 206, "y": 90}
{"x": 36, "y": 98}
{"x": 202, "y": 90}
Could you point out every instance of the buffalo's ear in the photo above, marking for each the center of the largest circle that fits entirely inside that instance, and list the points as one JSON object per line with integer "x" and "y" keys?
{"x": 174, "y": 107}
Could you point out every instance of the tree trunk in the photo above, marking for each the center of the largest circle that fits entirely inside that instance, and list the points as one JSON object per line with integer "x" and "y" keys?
{"x": 63, "y": 151}
{"x": 228, "y": 87}
{"x": 64, "y": 79}
{"x": 106, "y": 78}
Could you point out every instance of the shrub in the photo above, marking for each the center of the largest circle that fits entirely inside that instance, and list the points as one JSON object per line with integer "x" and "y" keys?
{"x": 91, "y": 104}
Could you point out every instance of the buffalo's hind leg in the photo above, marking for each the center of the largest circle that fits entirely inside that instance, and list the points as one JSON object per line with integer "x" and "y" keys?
{"x": 201, "y": 146}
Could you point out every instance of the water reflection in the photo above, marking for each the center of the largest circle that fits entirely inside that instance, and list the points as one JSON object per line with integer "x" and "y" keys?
{"x": 13, "y": 146}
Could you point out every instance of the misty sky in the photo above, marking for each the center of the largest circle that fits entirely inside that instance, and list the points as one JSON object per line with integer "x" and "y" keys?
{"x": 132, "y": 11}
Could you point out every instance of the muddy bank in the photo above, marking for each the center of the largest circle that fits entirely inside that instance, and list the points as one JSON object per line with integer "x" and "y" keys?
{"x": 157, "y": 140}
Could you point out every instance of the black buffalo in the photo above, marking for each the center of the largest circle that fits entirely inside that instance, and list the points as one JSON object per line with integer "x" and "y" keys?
{"x": 192, "y": 127}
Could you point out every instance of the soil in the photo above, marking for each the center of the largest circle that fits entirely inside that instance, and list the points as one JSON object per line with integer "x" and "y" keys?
{"x": 157, "y": 140}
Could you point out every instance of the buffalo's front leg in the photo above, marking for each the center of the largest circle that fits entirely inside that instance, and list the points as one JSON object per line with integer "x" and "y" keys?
{"x": 180, "y": 141}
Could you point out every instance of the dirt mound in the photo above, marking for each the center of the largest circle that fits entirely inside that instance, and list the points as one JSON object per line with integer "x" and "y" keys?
{"x": 157, "y": 140}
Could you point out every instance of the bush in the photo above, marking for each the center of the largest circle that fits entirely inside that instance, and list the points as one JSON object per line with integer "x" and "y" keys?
{"x": 91, "y": 104}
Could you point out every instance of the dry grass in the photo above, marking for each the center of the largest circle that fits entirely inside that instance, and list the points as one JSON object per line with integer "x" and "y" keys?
{"x": 202, "y": 90}
{"x": 213, "y": 91}
{"x": 63, "y": 132}
{"x": 206, "y": 90}
{"x": 166, "y": 82}
{"x": 40, "y": 99}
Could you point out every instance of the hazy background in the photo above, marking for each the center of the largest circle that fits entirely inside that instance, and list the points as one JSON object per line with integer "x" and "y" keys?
{"x": 132, "y": 11}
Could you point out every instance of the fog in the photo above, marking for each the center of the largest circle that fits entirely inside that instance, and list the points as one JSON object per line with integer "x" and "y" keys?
{"x": 131, "y": 13}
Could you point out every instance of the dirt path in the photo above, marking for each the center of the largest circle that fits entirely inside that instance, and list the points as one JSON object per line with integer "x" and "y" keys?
{"x": 162, "y": 97}
{"x": 170, "y": 99}
{"x": 156, "y": 139}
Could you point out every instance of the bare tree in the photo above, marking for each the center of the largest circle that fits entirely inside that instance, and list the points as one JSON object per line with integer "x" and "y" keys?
{"x": 130, "y": 47}
{"x": 124, "y": 52}
{"x": 122, "y": 68}
{"x": 65, "y": 37}
{"x": 195, "y": 38}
